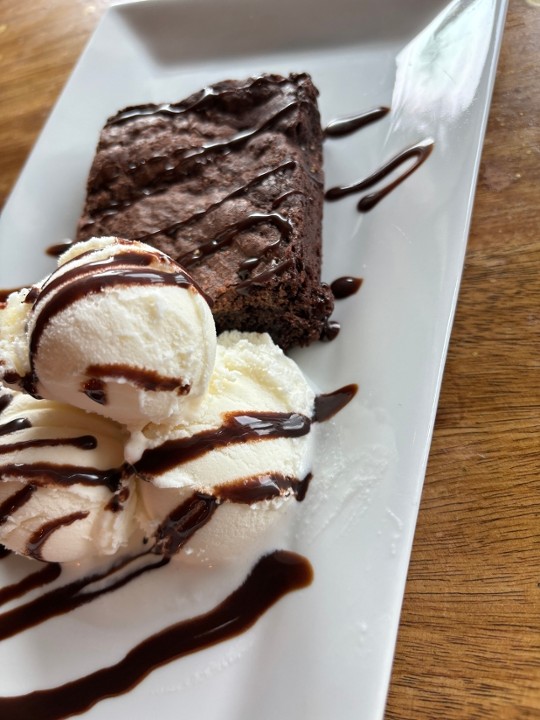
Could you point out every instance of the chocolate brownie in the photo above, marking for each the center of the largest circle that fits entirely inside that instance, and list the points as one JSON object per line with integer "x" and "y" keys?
{"x": 228, "y": 182}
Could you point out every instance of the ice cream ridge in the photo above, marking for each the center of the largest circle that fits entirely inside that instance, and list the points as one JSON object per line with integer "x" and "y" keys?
{"x": 124, "y": 419}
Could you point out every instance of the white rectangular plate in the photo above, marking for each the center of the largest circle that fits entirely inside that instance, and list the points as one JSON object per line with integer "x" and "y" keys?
{"x": 326, "y": 651}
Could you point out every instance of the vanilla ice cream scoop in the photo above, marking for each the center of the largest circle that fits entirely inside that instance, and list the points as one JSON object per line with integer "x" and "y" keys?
{"x": 64, "y": 495}
{"x": 118, "y": 329}
{"x": 225, "y": 485}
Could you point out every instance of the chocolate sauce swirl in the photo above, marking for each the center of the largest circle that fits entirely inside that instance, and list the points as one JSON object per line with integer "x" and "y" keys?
{"x": 203, "y": 99}
{"x": 183, "y": 522}
{"x": 149, "y": 380}
{"x": 69, "y": 597}
{"x": 94, "y": 277}
{"x": 95, "y": 390}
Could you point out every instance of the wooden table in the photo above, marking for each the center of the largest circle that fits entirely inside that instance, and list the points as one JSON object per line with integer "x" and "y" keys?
{"x": 469, "y": 641}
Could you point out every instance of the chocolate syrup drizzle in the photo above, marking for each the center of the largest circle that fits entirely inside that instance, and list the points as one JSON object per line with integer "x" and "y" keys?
{"x": 236, "y": 428}
{"x": 183, "y": 161}
{"x": 38, "y": 538}
{"x": 350, "y": 124}
{"x": 419, "y": 153}
{"x": 273, "y": 575}
{"x": 15, "y": 501}
{"x": 337, "y": 128}
{"x": 157, "y": 173}
{"x": 171, "y": 231}
{"x": 47, "y": 574}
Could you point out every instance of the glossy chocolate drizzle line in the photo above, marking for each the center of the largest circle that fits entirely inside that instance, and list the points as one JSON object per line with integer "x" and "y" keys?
{"x": 47, "y": 574}
{"x": 43, "y": 473}
{"x": 202, "y": 99}
{"x": 183, "y": 522}
{"x": 329, "y": 404}
{"x": 272, "y": 577}
{"x": 175, "y": 530}
{"x": 347, "y": 125}
{"x": 146, "y": 379}
{"x": 15, "y": 501}
{"x": 236, "y": 140}
{"x": 95, "y": 390}
{"x": 171, "y": 231}
{"x": 84, "y": 442}
{"x": 236, "y": 428}
{"x": 118, "y": 264}
{"x": 183, "y": 160}
{"x": 38, "y": 538}
{"x": 227, "y": 235}
{"x": 68, "y": 597}
{"x": 330, "y": 331}
{"x": 419, "y": 153}
{"x": 14, "y": 426}
{"x": 344, "y": 287}
{"x": 264, "y": 487}
{"x": 264, "y": 276}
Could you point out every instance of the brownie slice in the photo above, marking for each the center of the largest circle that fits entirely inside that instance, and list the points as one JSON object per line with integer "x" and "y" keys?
{"x": 229, "y": 183}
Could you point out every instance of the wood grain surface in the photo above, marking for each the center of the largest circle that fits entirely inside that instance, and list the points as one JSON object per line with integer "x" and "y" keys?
{"x": 469, "y": 640}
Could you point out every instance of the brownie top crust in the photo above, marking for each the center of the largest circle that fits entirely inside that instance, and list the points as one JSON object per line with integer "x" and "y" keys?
{"x": 229, "y": 183}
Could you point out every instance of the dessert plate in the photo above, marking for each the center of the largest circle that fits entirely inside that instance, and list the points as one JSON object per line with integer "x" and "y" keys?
{"x": 324, "y": 651}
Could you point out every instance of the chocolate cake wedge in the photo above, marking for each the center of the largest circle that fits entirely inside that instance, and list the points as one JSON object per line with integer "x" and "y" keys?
{"x": 228, "y": 182}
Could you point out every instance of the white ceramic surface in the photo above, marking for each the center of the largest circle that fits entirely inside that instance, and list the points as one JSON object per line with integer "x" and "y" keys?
{"x": 324, "y": 652}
